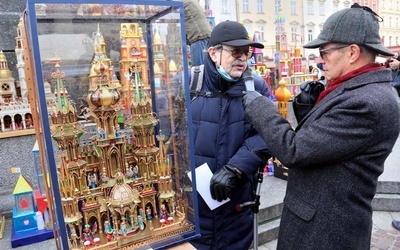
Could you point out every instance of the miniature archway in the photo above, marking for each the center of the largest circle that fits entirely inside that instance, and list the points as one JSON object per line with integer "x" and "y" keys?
{"x": 149, "y": 211}
{"x": 94, "y": 224}
{"x": 18, "y": 121}
{"x": 7, "y": 122}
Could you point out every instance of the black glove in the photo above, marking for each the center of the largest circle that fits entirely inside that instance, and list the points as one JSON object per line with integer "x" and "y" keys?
{"x": 224, "y": 181}
{"x": 249, "y": 97}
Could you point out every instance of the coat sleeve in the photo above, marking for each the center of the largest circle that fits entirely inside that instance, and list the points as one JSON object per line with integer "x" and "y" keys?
{"x": 341, "y": 131}
{"x": 254, "y": 152}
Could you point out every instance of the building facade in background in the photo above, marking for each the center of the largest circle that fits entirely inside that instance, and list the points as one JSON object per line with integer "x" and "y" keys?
{"x": 301, "y": 20}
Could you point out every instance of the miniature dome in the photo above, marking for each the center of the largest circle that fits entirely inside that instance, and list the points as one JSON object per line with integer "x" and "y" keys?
{"x": 4, "y": 71}
{"x": 122, "y": 194}
{"x": 104, "y": 96}
{"x": 101, "y": 67}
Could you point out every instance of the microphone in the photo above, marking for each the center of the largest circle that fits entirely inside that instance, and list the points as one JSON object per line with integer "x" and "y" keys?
{"x": 248, "y": 81}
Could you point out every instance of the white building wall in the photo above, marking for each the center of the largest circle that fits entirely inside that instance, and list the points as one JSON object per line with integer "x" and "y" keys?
{"x": 313, "y": 23}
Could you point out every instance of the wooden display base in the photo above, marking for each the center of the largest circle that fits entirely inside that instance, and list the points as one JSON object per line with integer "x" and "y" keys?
{"x": 2, "y": 225}
{"x": 15, "y": 133}
{"x": 29, "y": 237}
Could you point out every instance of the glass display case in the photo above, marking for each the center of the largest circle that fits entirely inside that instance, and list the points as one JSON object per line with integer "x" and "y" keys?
{"x": 111, "y": 109}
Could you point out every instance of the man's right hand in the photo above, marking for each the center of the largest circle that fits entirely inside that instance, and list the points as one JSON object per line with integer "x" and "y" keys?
{"x": 224, "y": 181}
{"x": 249, "y": 97}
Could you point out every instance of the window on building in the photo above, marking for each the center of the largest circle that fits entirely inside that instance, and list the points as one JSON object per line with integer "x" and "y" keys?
{"x": 293, "y": 33}
{"x": 310, "y": 35}
{"x": 390, "y": 4}
{"x": 246, "y": 6}
{"x": 322, "y": 8}
{"x": 260, "y": 6}
{"x": 224, "y": 6}
{"x": 397, "y": 40}
{"x": 374, "y": 5}
{"x": 335, "y": 7}
{"x": 310, "y": 8}
{"x": 390, "y": 21}
{"x": 293, "y": 8}
{"x": 383, "y": 4}
{"x": 383, "y": 21}
{"x": 261, "y": 31}
{"x": 277, "y": 6}
{"x": 249, "y": 29}
{"x": 397, "y": 22}
{"x": 390, "y": 40}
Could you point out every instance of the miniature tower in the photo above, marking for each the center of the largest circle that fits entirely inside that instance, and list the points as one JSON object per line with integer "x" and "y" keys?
{"x": 7, "y": 91}
{"x": 24, "y": 210}
{"x": 28, "y": 222}
{"x": 258, "y": 57}
{"x": 19, "y": 52}
{"x": 134, "y": 68}
{"x": 297, "y": 60}
{"x": 159, "y": 54}
{"x": 167, "y": 194}
{"x": 66, "y": 131}
{"x": 103, "y": 96}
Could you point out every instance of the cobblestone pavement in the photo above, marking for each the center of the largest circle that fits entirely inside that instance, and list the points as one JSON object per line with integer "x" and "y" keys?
{"x": 384, "y": 236}
{"x": 385, "y": 240}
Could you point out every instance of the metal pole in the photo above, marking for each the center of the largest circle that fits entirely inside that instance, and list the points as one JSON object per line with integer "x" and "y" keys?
{"x": 255, "y": 236}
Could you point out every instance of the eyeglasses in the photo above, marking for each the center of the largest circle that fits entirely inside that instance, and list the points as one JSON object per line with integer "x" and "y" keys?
{"x": 323, "y": 52}
{"x": 237, "y": 53}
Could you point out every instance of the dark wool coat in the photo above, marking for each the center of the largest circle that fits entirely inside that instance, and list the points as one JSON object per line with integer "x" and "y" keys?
{"x": 334, "y": 158}
{"x": 222, "y": 135}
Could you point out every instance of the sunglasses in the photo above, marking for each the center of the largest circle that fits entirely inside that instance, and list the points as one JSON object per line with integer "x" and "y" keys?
{"x": 323, "y": 52}
{"x": 238, "y": 53}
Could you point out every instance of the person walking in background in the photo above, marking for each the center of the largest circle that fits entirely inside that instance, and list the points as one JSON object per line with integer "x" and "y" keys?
{"x": 225, "y": 139}
{"x": 337, "y": 152}
{"x": 394, "y": 64}
{"x": 198, "y": 31}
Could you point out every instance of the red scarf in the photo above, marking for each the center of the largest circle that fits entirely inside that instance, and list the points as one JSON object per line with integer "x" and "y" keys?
{"x": 336, "y": 83}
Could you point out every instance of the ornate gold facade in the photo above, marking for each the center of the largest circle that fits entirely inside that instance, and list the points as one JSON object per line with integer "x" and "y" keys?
{"x": 118, "y": 185}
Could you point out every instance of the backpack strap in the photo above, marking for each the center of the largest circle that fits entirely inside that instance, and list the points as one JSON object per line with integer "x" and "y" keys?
{"x": 196, "y": 81}
{"x": 196, "y": 84}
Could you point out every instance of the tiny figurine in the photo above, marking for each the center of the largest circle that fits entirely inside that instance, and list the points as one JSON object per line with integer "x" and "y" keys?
{"x": 92, "y": 180}
{"x": 102, "y": 133}
{"x": 39, "y": 220}
{"x": 123, "y": 228}
{"x": 94, "y": 227}
{"x": 141, "y": 223}
{"x": 107, "y": 227}
{"x": 164, "y": 213}
{"x": 117, "y": 131}
{"x": 74, "y": 238}
{"x": 149, "y": 215}
{"x": 135, "y": 172}
{"x": 87, "y": 234}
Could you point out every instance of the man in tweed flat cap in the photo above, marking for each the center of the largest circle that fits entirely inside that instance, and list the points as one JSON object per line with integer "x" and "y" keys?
{"x": 337, "y": 152}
